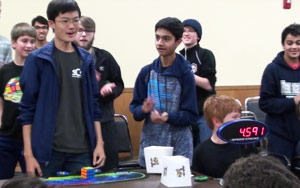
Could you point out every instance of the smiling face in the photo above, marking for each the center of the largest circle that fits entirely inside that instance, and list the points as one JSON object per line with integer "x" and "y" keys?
{"x": 65, "y": 27}
{"x": 24, "y": 45}
{"x": 291, "y": 47}
{"x": 41, "y": 31}
{"x": 189, "y": 37}
{"x": 84, "y": 38}
{"x": 165, "y": 42}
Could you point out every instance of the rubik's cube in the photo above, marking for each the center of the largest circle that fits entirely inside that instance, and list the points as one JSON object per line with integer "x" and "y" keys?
{"x": 87, "y": 172}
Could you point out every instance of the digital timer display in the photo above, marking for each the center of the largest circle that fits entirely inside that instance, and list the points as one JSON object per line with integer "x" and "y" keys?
{"x": 243, "y": 131}
{"x": 252, "y": 131}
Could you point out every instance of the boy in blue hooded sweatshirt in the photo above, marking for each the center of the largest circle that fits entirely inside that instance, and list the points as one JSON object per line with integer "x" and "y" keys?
{"x": 165, "y": 96}
{"x": 279, "y": 94}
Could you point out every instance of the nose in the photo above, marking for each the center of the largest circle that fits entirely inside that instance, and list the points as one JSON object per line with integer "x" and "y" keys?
{"x": 83, "y": 33}
{"x": 159, "y": 41}
{"x": 30, "y": 45}
{"x": 295, "y": 45}
{"x": 72, "y": 25}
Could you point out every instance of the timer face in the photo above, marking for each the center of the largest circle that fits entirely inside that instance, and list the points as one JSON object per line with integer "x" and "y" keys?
{"x": 243, "y": 131}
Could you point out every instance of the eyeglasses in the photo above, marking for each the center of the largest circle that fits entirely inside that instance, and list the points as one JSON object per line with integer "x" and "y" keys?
{"x": 67, "y": 22}
{"x": 189, "y": 31}
{"x": 43, "y": 27}
{"x": 81, "y": 31}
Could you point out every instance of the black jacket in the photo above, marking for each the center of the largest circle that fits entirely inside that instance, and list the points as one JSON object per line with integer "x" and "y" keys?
{"x": 110, "y": 72}
{"x": 204, "y": 65}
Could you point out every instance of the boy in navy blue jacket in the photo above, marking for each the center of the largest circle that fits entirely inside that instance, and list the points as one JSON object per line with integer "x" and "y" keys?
{"x": 165, "y": 95}
{"x": 279, "y": 94}
{"x": 59, "y": 109}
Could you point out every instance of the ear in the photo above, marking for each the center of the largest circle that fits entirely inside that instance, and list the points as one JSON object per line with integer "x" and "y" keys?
{"x": 217, "y": 123}
{"x": 13, "y": 44}
{"x": 51, "y": 24}
{"x": 178, "y": 42}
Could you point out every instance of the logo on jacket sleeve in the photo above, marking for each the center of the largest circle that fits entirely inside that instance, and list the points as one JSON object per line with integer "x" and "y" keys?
{"x": 194, "y": 68}
{"x": 101, "y": 68}
{"x": 76, "y": 73}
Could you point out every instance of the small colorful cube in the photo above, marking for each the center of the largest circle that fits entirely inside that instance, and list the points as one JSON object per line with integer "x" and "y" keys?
{"x": 87, "y": 172}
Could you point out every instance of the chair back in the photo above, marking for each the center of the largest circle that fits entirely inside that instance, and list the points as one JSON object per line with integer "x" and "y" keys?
{"x": 282, "y": 158}
{"x": 123, "y": 135}
{"x": 124, "y": 143}
{"x": 251, "y": 104}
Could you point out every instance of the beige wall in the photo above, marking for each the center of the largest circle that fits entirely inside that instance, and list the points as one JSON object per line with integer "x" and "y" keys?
{"x": 243, "y": 34}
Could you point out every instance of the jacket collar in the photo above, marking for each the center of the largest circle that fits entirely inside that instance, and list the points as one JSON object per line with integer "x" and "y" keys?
{"x": 47, "y": 51}
{"x": 196, "y": 47}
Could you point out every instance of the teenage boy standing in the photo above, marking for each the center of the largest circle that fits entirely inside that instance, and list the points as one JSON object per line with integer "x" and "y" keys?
{"x": 111, "y": 86}
{"x": 41, "y": 26}
{"x": 280, "y": 93}
{"x": 204, "y": 69}
{"x": 11, "y": 143}
{"x": 59, "y": 109}
{"x": 165, "y": 95}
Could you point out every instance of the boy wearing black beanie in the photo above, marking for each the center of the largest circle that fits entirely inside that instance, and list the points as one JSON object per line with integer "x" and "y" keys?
{"x": 204, "y": 69}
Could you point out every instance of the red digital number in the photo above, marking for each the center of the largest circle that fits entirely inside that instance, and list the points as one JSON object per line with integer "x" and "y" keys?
{"x": 246, "y": 132}
{"x": 262, "y": 131}
{"x": 255, "y": 130}
{"x": 242, "y": 131}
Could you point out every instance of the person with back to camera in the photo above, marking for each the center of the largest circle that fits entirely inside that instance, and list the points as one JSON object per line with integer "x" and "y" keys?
{"x": 204, "y": 68}
{"x": 257, "y": 171}
{"x": 165, "y": 95}
{"x": 214, "y": 156}
{"x": 280, "y": 94}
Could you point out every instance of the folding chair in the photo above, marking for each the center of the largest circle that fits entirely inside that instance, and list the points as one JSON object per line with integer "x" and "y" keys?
{"x": 248, "y": 115}
{"x": 251, "y": 104}
{"x": 282, "y": 158}
{"x": 124, "y": 143}
{"x": 239, "y": 102}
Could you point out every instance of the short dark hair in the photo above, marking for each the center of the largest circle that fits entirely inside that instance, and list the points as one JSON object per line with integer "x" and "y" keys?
{"x": 293, "y": 29}
{"x": 173, "y": 25}
{"x": 88, "y": 23}
{"x": 55, "y": 7}
{"x": 258, "y": 171}
{"x": 39, "y": 19}
{"x": 22, "y": 29}
{"x": 24, "y": 182}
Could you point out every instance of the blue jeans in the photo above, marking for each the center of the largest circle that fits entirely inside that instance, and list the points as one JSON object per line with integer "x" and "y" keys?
{"x": 10, "y": 155}
{"x": 204, "y": 131}
{"x": 70, "y": 162}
